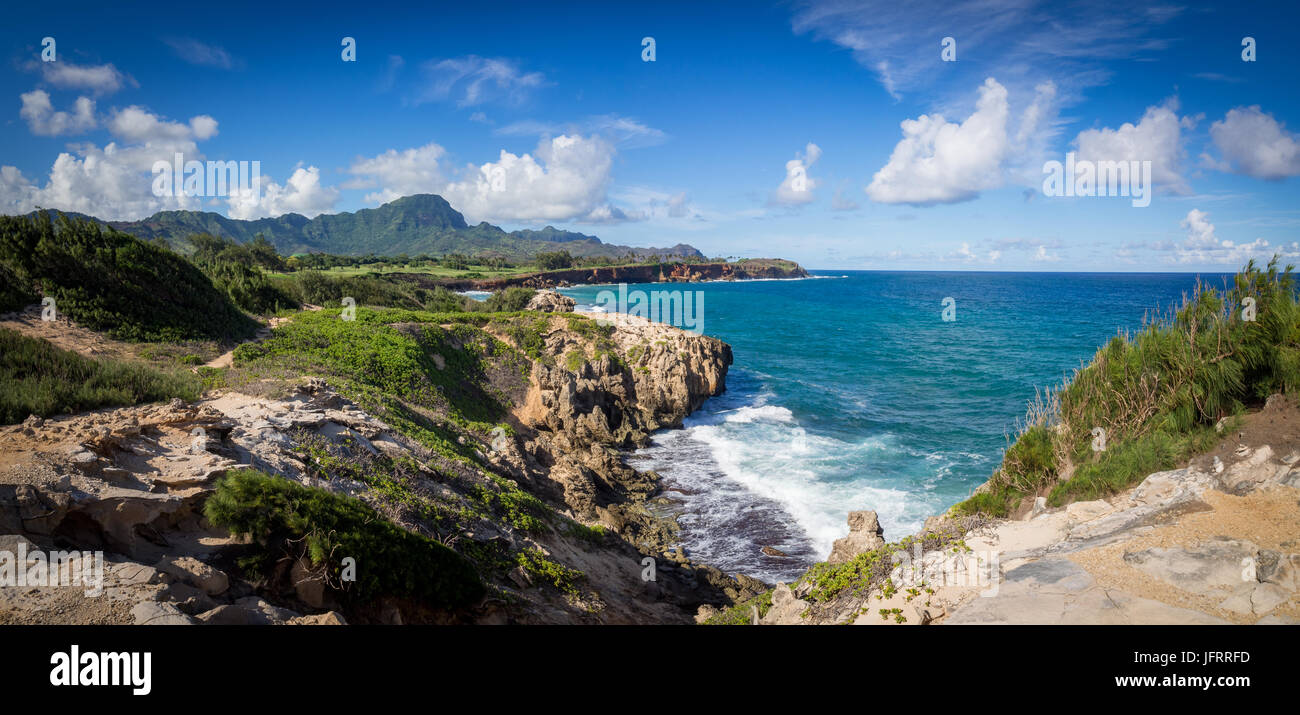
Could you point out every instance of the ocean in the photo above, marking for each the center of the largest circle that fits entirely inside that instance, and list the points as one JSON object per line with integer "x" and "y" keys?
{"x": 850, "y": 391}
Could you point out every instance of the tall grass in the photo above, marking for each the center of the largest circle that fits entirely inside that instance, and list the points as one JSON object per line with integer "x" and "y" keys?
{"x": 1155, "y": 394}
{"x": 37, "y": 378}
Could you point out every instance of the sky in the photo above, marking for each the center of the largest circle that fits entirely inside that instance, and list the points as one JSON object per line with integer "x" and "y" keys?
{"x": 901, "y": 135}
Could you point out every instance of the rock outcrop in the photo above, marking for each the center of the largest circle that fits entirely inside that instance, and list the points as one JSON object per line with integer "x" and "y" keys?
{"x": 1186, "y": 546}
{"x": 865, "y": 535}
{"x": 548, "y": 301}
{"x": 132, "y": 481}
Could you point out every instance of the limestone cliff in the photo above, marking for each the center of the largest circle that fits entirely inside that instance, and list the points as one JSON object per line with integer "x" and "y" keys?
{"x": 546, "y": 511}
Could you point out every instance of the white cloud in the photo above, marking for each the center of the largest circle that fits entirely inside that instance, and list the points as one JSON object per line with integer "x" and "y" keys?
{"x": 301, "y": 194}
{"x": 900, "y": 41}
{"x": 1157, "y": 138}
{"x": 203, "y": 54}
{"x": 1203, "y": 246}
{"x": 798, "y": 186}
{"x": 41, "y": 118}
{"x": 97, "y": 79}
{"x": 939, "y": 161}
{"x": 115, "y": 181}
{"x": 138, "y": 124}
{"x": 624, "y": 131}
{"x": 398, "y": 174}
{"x": 1257, "y": 144}
{"x": 567, "y": 178}
{"x": 472, "y": 80}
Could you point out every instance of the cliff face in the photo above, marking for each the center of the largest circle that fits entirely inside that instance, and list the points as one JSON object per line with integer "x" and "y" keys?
{"x": 556, "y": 525}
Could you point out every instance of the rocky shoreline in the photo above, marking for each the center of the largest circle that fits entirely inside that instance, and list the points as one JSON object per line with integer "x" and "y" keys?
{"x": 131, "y": 482}
{"x": 1215, "y": 542}
{"x": 600, "y": 275}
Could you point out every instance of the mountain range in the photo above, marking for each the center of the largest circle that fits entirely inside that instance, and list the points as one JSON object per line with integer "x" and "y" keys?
{"x": 412, "y": 225}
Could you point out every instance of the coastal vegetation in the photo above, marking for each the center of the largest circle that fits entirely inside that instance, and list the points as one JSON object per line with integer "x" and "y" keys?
{"x": 112, "y": 282}
{"x": 287, "y": 519}
{"x": 1149, "y": 400}
{"x": 37, "y": 378}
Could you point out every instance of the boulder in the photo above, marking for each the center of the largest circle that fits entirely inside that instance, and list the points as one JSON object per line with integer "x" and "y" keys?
{"x": 786, "y": 610}
{"x": 153, "y": 613}
{"x": 548, "y": 301}
{"x": 865, "y": 535}
{"x": 196, "y": 573}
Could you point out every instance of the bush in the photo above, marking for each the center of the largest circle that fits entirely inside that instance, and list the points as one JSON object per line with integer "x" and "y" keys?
{"x": 109, "y": 281}
{"x": 510, "y": 300}
{"x": 286, "y": 518}
{"x": 37, "y": 378}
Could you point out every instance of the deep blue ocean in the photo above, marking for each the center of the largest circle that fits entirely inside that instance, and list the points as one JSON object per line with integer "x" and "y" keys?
{"x": 849, "y": 391}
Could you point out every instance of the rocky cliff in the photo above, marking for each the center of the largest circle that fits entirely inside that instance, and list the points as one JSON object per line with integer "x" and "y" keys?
{"x": 553, "y": 522}
{"x": 1217, "y": 541}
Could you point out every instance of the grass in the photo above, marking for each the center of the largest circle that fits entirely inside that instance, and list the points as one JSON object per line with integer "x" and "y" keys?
{"x": 37, "y": 378}
{"x": 1155, "y": 395}
{"x": 289, "y": 520}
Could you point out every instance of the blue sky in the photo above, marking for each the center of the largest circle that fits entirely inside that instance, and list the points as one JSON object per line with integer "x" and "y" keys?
{"x": 527, "y": 114}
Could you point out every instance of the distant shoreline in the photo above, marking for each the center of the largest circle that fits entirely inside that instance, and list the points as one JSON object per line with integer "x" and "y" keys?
{"x": 678, "y": 272}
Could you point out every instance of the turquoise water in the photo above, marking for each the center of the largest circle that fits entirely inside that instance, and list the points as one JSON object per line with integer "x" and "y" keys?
{"x": 849, "y": 391}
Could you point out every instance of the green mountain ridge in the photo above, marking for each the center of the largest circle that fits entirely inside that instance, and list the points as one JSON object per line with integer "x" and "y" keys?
{"x": 413, "y": 225}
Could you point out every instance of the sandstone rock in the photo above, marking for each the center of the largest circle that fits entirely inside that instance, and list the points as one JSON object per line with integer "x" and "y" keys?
{"x": 786, "y": 609}
{"x": 1206, "y": 569}
{"x": 195, "y": 572}
{"x": 1040, "y": 506}
{"x": 1088, "y": 510}
{"x": 548, "y": 301}
{"x": 332, "y": 618}
{"x": 152, "y": 613}
{"x": 865, "y": 534}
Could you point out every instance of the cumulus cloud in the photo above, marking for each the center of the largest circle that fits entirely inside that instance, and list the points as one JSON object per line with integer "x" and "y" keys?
{"x": 797, "y": 188}
{"x": 939, "y": 161}
{"x": 301, "y": 194}
{"x": 96, "y": 79}
{"x": 202, "y": 54}
{"x": 1157, "y": 137}
{"x": 565, "y": 178}
{"x": 115, "y": 181}
{"x": 138, "y": 124}
{"x": 473, "y": 80}
{"x": 397, "y": 174}
{"x": 38, "y": 112}
{"x": 1203, "y": 246}
{"x": 1256, "y": 144}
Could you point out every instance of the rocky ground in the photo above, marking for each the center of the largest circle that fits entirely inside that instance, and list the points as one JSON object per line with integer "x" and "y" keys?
{"x": 131, "y": 482}
{"x": 1215, "y": 542}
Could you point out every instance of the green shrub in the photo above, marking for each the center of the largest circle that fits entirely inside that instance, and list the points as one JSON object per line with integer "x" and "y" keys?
{"x": 286, "y": 518}
{"x": 109, "y": 281}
